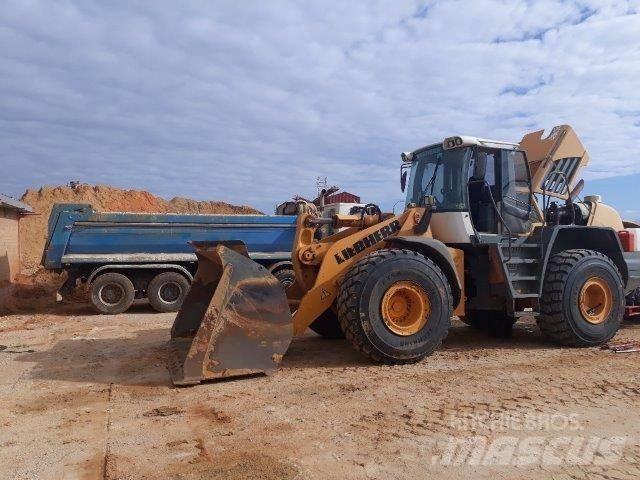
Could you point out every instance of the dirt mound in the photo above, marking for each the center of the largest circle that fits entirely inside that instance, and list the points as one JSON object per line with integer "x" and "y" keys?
{"x": 33, "y": 291}
{"x": 186, "y": 205}
{"x": 33, "y": 229}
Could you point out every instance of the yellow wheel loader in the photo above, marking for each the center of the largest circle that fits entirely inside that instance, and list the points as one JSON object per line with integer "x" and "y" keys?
{"x": 492, "y": 231}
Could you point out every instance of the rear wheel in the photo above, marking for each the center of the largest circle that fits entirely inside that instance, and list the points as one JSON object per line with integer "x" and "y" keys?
{"x": 582, "y": 302}
{"x": 395, "y": 306}
{"x": 112, "y": 293}
{"x": 167, "y": 291}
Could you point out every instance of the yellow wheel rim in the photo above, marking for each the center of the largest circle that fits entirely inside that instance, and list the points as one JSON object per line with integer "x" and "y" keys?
{"x": 405, "y": 308}
{"x": 596, "y": 300}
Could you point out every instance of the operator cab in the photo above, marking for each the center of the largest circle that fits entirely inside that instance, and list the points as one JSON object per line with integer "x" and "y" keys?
{"x": 478, "y": 188}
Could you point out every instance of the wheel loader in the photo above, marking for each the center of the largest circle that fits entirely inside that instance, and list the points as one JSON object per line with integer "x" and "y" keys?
{"x": 492, "y": 231}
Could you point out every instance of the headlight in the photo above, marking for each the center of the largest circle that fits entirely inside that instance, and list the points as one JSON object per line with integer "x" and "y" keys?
{"x": 452, "y": 142}
{"x": 406, "y": 156}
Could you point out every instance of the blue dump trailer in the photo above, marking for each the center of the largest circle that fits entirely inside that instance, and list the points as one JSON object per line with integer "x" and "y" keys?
{"x": 121, "y": 257}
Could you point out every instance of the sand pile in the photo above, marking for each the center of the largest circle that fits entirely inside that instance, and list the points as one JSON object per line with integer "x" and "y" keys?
{"x": 32, "y": 291}
{"x": 33, "y": 229}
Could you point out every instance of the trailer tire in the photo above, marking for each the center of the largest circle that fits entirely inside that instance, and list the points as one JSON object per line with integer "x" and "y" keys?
{"x": 167, "y": 291}
{"x": 286, "y": 276}
{"x": 112, "y": 293}
{"x": 582, "y": 302}
{"x": 395, "y": 306}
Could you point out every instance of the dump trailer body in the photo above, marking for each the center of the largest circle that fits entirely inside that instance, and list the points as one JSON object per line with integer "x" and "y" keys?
{"x": 86, "y": 243}
{"x": 79, "y": 234}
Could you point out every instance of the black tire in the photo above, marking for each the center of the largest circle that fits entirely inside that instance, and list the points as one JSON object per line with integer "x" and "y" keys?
{"x": 112, "y": 293}
{"x": 286, "y": 276}
{"x": 167, "y": 290}
{"x": 360, "y": 306}
{"x": 561, "y": 319}
{"x": 327, "y": 325}
{"x": 497, "y": 324}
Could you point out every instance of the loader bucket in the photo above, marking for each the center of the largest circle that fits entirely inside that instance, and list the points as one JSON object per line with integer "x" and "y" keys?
{"x": 234, "y": 321}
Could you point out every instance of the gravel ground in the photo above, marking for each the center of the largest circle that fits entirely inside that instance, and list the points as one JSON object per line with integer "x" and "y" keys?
{"x": 88, "y": 397}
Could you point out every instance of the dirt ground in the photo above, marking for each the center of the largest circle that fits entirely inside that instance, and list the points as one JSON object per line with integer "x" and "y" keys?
{"x": 88, "y": 397}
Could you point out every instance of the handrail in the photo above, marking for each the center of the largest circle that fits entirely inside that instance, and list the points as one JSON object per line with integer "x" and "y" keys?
{"x": 497, "y": 210}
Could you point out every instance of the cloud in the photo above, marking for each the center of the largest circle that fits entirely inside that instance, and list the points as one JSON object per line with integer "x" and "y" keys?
{"x": 250, "y": 102}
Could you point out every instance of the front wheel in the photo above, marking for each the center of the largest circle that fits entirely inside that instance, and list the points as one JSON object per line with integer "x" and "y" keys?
{"x": 395, "y": 306}
{"x": 582, "y": 302}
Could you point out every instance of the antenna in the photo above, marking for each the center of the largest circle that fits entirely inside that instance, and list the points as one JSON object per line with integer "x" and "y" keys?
{"x": 321, "y": 184}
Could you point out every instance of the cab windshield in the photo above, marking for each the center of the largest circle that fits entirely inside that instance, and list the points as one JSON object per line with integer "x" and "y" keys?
{"x": 441, "y": 174}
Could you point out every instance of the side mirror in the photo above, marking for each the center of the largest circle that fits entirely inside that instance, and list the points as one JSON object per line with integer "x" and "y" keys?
{"x": 403, "y": 180}
{"x": 576, "y": 190}
{"x": 480, "y": 168}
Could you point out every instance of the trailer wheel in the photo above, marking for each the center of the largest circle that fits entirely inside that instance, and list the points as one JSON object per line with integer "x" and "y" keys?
{"x": 167, "y": 291}
{"x": 582, "y": 301}
{"x": 286, "y": 276}
{"x": 395, "y": 306}
{"x": 112, "y": 293}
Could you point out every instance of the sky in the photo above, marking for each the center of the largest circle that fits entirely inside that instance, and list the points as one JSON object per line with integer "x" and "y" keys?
{"x": 248, "y": 102}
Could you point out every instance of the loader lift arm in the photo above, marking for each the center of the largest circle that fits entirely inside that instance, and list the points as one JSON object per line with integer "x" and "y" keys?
{"x": 237, "y": 318}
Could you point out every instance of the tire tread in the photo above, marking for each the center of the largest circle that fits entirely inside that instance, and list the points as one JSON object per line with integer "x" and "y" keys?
{"x": 551, "y": 320}
{"x": 348, "y": 299}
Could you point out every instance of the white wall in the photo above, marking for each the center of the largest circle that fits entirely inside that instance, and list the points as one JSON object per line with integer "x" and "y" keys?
{"x": 9, "y": 244}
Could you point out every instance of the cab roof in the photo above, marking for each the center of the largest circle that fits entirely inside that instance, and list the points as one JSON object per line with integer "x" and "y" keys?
{"x": 463, "y": 141}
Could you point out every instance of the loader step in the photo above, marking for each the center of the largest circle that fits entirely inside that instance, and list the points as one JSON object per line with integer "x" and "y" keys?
{"x": 523, "y": 278}
{"x": 515, "y": 261}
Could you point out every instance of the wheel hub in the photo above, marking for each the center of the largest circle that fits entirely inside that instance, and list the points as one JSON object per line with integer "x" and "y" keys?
{"x": 170, "y": 292}
{"x": 111, "y": 294}
{"x": 405, "y": 308}
{"x": 596, "y": 300}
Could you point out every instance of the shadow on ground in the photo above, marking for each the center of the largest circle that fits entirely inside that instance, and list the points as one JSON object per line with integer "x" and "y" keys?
{"x": 141, "y": 358}
{"x": 51, "y": 307}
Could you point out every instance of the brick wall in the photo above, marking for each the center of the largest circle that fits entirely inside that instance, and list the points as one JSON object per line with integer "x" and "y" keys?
{"x": 9, "y": 246}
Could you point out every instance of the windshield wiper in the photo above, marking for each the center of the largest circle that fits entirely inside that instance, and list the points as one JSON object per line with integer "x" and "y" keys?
{"x": 431, "y": 182}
